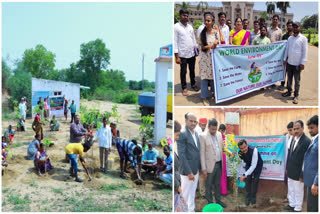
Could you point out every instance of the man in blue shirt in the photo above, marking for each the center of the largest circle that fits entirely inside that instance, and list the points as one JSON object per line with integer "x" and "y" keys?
{"x": 73, "y": 109}
{"x": 149, "y": 158}
{"x": 128, "y": 151}
{"x": 310, "y": 166}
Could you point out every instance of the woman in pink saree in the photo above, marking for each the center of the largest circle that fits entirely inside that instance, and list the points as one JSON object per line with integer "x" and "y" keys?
{"x": 239, "y": 36}
{"x": 223, "y": 183}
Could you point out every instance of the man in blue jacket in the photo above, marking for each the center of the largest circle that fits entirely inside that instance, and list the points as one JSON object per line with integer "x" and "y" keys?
{"x": 310, "y": 166}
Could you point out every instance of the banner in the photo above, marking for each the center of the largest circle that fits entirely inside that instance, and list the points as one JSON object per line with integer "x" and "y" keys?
{"x": 272, "y": 150}
{"x": 239, "y": 70}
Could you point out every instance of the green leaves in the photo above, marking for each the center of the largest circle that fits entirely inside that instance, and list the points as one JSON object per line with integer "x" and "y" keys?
{"x": 47, "y": 142}
{"x": 146, "y": 128}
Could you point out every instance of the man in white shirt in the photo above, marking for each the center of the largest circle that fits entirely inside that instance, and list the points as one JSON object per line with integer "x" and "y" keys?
{"x": 298, "y": 147}
{"x": 185, "y": 50}
{"x": 189, "y": 156}
{"x": 223, "y": 27}
{"x": 211, "y": 161}
{"x": 254, "y": 163}
{"x": 295, "y": 59}
{"x": 105, "y": 141}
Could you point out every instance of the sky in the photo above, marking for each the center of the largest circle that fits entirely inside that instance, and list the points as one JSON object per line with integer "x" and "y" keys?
{"x": 299, "y": 9}
{"x": 127, "y": 29}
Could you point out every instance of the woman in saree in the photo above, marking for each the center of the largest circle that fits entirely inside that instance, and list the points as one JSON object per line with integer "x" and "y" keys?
{"x": 239, "y": 36}
{"x": 37, "y": 125}
{"x": 42, "y": 161}
{"x": 33, "y": 147}
{"x": 54, "y": 125}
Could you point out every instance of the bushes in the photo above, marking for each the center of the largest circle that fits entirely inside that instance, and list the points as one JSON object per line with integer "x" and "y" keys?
{"x": 315, "y": 43}
{"x": 127, "y": 98}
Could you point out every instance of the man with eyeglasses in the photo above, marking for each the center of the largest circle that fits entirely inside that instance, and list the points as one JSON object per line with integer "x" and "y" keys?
{"x": 274, "y": 32}
{"x": 189, "y": 156}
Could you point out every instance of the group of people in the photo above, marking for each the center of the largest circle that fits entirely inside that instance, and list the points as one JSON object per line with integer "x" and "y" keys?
{"x": 140, "y": 156}
{"x": 200, "y": 150}
{"x": 187, "y": 46}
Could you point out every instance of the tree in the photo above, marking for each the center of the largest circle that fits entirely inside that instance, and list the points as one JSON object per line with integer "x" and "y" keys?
{"x": 176, "y": 17}
{"x": 309, "y": 21}
{"x": 196, "y": 24}
{"x": 203, "y": 5}
{"x": 271, "y": 8}
{"x": 264, "y": 15}
{"x": 6, "y": 73}
{"x": 94, "y": 56}
{"x": 114, "y": 80}
{"x": 282, "y": 6}
{"x": 19, "y": 85}
{"x": 39, "y": 61}
{"x": 185, "y": 5}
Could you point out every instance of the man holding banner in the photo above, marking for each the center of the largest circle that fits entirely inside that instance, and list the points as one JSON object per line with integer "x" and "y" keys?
{"x": 295, "y": 58}
{"x": 254, "y": 163}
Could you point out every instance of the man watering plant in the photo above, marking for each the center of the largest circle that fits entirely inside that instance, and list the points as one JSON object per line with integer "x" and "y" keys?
{"x": 254, "y": 163}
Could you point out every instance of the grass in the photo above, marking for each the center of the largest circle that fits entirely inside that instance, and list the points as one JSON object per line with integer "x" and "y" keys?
{"x": 90, "y": 205}
{"x": 5, "y": 190}
{"x": 113, "y": 187}
{"x": 16, "y": 145}
{"x": 142, "y": 205}
{"x": 166, "y": 191}
{"x": 57, "y": 190}
{"x": 33, "y": 183}
{"x": 17, "y": 200}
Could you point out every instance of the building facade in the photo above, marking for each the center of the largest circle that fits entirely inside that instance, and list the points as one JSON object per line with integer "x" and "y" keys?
{"x": 233, "y": 9}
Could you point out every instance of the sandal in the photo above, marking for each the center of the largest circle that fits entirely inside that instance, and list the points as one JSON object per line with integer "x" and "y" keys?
{"x": 295, "y": 100}
{"x": 286, "y": 94}
{"x": 185, "y": 92}
{"x": 195, "y": 88}
{"x": 205, "y": 102}
{"x": 79, "y": 180}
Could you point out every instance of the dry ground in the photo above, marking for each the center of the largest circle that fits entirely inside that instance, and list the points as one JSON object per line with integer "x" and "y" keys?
{"x": 24, "y": 190}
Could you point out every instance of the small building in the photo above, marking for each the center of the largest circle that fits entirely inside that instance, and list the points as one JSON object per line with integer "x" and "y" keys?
{"x": 57, "y": 92}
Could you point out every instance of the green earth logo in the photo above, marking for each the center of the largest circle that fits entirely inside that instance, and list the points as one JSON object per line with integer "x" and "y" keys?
{"x": 255, "y": 73}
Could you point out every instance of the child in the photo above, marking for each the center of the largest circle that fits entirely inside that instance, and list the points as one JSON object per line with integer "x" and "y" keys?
{"x": 42, "y": 161}
{"x": 9, "y": 134}
{"x": 159, "y": 165}
{"x": 20, "y": 125}
{"x": 105, "y": 143}
{"x": 166, "y": 175}
{"x": 89, "y": 138}
{"x": 115, "y": 132}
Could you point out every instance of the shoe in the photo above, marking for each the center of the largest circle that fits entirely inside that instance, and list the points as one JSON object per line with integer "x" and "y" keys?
{"x": 123, "y": 177}
{"x": 288, "y": 208}
{"x": 247, "y": 201}
{"x": 286, "y": 94}
{"x": 79, "y": 180}
{"x": 253, "y": 201}
{"x": 280, "y": 87}
{"x": 295, "y": 100}
{"x": 185, "y": 92}
{"x": 205, "y": 102}
{"x": 222, "y": 204}
{"x": 101, "y": 169}
{"x": 195, "y": 88}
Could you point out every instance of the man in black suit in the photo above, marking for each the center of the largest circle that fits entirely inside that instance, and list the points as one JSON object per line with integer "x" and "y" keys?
{"x": 189, "y": 155}
{"x": 298, "y": 147}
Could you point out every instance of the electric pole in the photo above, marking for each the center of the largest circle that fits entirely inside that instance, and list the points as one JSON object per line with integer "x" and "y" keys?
{"x": 142, "y": 71}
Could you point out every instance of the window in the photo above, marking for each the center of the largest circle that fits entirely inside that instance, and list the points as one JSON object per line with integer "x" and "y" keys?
{"x": 56, "y": 93}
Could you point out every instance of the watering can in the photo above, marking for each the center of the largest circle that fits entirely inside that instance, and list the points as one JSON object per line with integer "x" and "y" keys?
{"x": 241, "y": 184}
{"x": 212, "y": 208}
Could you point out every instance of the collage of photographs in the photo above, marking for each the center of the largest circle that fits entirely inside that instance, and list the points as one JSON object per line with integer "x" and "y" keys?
{"x": 176, "y": 106}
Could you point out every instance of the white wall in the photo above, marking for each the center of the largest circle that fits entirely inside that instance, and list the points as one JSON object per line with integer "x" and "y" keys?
{"x": 70, "y": 90}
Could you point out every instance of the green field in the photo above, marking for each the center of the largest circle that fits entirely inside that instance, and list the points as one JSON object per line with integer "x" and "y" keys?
{"x": 314, "y": 37}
